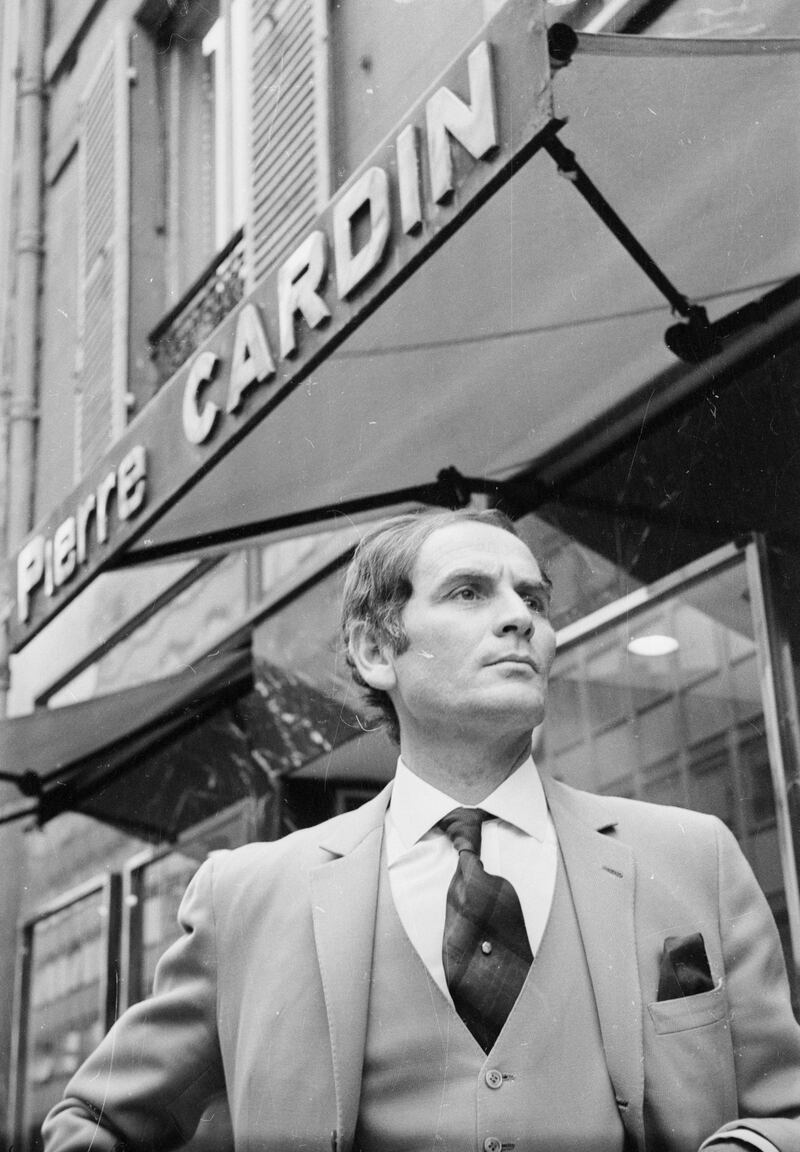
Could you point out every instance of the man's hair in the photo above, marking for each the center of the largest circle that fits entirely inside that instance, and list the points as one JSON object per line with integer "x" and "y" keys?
{"x": 378, "y": 586}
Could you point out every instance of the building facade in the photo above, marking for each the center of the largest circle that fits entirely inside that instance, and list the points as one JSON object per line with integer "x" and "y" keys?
{"x": 278, "y": 267}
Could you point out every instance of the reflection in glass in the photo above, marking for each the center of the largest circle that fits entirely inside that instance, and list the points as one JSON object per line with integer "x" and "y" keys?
{"x": 159, "y": 889}
{"x": 683, "y": 728}
{"x": 65, "y": 1017}
{"x": 727, "y": 19}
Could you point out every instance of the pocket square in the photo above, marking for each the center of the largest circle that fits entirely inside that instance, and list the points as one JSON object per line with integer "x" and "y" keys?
{"x": 684, "y": 968}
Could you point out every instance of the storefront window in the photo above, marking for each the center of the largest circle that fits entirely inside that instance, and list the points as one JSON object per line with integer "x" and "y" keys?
{"x": 659, "y": 698}
{"x": 87, "y": 623}
{"x": 63, "y": 1011}
{"x": 154, "y": 887}
{"x": 154, "y": 890}
{"x": 161, "y": 632}
{"x": 155, "y": 894}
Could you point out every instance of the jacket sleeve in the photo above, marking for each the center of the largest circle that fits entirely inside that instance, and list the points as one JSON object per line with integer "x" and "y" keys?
{"x": 764, "y": 1032}
{"x": 147, "y": 1083}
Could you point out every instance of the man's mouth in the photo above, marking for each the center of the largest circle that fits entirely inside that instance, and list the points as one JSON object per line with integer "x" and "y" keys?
{"x": 517, "y": 658}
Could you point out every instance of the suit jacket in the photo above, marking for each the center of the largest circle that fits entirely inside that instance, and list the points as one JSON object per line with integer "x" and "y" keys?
{"x": 266, "y": 994}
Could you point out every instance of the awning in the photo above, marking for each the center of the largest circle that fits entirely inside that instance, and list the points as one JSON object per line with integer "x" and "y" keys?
{"x": 156, "y": 759}
{"x": 532, "y": 323}
{"x": 54, "y": 753}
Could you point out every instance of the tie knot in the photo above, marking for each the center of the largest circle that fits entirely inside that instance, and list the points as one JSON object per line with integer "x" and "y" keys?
{"x": 463, "y": 826}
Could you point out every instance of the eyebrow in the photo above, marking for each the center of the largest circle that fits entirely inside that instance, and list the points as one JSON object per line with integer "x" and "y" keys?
{"x": 543, "y": 585}
{"x": 479, "y": 574}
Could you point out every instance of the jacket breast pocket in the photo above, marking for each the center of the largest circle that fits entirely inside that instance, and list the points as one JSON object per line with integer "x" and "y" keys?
{"x": 689, "y": 1067}
{"x": 687, "y": 1012}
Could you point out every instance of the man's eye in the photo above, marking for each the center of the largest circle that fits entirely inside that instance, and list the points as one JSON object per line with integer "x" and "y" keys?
{"x": 465, "y": 594}
{"x": 538, "y": 603}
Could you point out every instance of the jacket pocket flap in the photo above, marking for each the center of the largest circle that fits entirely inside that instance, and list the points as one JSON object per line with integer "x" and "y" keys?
{"x": 689, "y": 1011}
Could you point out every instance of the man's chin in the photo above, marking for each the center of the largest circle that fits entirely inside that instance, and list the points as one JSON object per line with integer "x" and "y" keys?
{"x": 517, "y": 712}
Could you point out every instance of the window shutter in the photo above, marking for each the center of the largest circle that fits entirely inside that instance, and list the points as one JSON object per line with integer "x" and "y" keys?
{"x": 289, "y": 147}
{"x": 103, "y": 257}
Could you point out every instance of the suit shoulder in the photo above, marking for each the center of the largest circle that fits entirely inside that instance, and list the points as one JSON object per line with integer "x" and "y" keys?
{"x": 666, "y": 816}
{"x": 298, "y": 851}
{"x": 639, "y": 818}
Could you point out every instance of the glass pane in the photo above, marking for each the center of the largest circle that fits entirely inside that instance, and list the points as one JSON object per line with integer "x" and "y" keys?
{"x": 717, "y": 19}
{"x": 65, "y": 1022}
{"x": 193, "y": 77}
{"x": 157, "y": 888}
{"x": 91, "y": 618}
{"x": 172, "y": 638}
{"x": 228, "y": 97}
{"x": 160, "y": 888}
{"x": 307, "y": 700}
{"x": 728, "y": 19}
{"x": 681, "y": 728}
{"x": 240, "y": 114}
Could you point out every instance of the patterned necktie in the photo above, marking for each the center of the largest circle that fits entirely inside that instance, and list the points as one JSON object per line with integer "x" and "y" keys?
{"x": 485, "y": 948}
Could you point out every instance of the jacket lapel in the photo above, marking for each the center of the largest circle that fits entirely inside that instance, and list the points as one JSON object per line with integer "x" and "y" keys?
{"x": 344, "y": 898}
{"x": 602, "y": 874}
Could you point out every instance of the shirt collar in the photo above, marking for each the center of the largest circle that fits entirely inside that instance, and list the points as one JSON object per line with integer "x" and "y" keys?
{"x": 417, "y": 806}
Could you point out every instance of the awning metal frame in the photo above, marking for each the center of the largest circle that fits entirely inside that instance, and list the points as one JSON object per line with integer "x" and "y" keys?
{"x": 698, "y": 338}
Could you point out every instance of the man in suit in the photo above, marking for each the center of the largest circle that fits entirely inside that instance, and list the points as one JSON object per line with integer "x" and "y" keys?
{"x": 478, "y": 958}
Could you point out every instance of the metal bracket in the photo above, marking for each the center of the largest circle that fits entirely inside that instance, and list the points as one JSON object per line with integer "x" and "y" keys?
{"x": 693, "y": 340}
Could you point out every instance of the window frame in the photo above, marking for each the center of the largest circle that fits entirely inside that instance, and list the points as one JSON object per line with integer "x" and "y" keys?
{"x": 109, "y": 887}
{"x": 752, "y": 553}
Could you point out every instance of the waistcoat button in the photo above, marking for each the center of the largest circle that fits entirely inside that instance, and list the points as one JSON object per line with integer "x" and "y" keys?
{"x": 492, "y": 1144}
{"x": 494, "y": 1078}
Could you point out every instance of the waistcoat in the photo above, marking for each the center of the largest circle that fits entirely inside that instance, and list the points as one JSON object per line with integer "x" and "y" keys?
{"x": 427, "y": 1084}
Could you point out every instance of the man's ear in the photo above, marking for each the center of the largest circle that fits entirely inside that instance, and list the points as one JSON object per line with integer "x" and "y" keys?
{"x": 373, "y": 657}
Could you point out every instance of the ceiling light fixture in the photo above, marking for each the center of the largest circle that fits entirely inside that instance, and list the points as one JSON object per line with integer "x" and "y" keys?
{"x": 653, "y": 645}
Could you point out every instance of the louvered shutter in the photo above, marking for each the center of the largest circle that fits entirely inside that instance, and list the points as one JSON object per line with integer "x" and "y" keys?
{"x": 289, "y": 160}
{"x": 103, "y": 257}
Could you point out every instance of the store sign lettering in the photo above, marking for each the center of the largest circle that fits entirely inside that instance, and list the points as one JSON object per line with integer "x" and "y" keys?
{"x": 210, "y": 394}
{"x": 49, "y": 562}
{"x": 459, "y": 142}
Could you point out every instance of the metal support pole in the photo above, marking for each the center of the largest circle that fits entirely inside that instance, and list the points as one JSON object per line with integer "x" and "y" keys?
{"x": 779, "y": 699}
{"x": 22, "y": 408}
{"x": 569, "y": 167}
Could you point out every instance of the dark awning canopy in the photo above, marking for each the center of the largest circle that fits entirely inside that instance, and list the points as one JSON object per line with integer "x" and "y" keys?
{"x": 156, "y": 759}
{"x": 56, "y": 755}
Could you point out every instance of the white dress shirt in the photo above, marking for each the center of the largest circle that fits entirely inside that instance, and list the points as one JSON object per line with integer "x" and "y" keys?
{"x": 520, "y": 845}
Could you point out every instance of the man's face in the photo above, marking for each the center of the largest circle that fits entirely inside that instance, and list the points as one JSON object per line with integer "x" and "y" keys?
{"x": 480, "y": 643}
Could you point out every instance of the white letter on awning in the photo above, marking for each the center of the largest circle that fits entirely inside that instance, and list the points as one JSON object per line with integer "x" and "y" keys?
{"x": 30, "y": 571}
{"x": 473, "y": 125}
{"x": 131, "y": 482}
{"x": 64, "y": 555}
{"x": 407, "y": 149}
{"x": 370, "y": 189}
{"x": 252, "y": 361}
{"x": 298, "y": 281}
{"x": 198, "y": 422}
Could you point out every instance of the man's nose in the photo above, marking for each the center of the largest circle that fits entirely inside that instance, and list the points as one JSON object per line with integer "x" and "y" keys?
{"x": 516, "y": 616}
